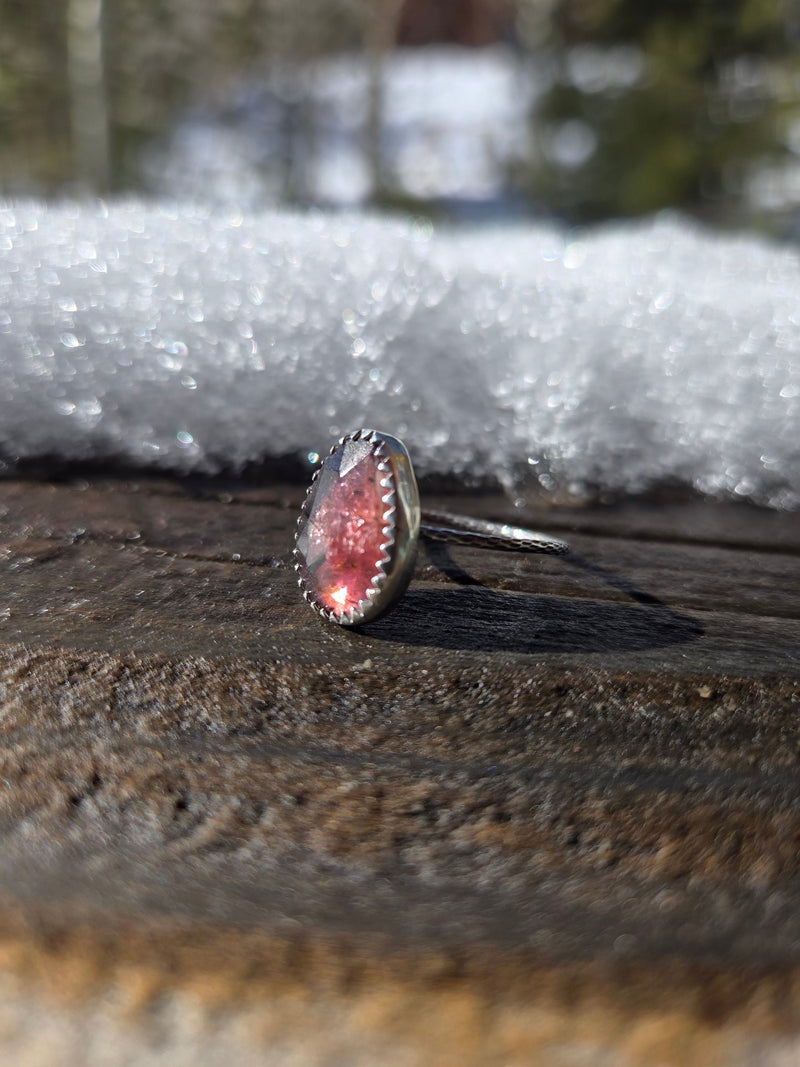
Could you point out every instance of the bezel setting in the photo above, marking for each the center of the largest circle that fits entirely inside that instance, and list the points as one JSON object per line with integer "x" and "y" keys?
{"x": 399, "y": 532}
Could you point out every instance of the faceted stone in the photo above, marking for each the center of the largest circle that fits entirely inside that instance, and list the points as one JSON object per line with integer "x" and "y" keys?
{"x": 339, "y": 541}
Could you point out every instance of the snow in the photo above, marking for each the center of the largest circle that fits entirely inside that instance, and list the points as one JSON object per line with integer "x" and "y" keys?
{"x": 182, "y": 338}
{"x": 458, "y": 127}
{"x": 454, "y": 121}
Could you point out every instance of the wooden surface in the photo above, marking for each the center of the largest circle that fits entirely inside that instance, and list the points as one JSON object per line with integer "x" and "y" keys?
{"x": 544, "y": 812}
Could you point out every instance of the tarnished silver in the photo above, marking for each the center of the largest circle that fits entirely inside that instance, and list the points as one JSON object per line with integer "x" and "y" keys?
{"x": 404, "y": 524}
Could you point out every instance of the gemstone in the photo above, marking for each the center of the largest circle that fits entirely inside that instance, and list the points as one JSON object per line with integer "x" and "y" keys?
{"x": 341, "y": 534}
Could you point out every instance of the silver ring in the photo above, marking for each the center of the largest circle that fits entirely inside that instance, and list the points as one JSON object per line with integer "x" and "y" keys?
{"x": 360, "y": 525}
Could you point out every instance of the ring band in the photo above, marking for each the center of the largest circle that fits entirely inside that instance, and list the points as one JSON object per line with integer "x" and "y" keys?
{"x": 479, "y": 533}
{"x": 360, "y": 525}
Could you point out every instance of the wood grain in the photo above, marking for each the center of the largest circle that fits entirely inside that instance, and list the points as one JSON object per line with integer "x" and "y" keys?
{"x": 546, "y": 811}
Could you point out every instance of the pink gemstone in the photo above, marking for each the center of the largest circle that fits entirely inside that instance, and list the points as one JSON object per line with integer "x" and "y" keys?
{"x": 339, "y": 540}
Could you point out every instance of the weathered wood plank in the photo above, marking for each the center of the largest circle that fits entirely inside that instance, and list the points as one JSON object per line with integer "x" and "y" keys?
{"x": 565, "y": 788}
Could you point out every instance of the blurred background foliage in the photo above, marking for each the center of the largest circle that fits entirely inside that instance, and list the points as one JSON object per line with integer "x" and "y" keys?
{"x": 609, "y": 107}
{"x": 705, "y": 93}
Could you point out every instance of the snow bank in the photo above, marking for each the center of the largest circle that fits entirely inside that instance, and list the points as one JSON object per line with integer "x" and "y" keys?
{"x": 182, "y": 339}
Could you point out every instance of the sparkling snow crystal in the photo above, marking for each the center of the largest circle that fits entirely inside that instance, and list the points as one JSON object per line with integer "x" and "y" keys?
{"x": 178, "y": 338}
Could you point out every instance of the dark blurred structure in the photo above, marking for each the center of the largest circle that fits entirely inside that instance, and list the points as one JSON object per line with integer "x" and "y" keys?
{"x": 474, "y": 23}
{"x": 632, "y": 107}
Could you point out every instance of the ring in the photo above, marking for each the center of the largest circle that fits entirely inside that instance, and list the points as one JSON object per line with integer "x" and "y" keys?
{"x": 360, "y": 525}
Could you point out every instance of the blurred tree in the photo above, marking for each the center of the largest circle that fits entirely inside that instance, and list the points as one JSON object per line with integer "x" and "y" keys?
{"x": 665, "y": 103}
{"x": 381, "y": 26}
{"x": 34, "y": 116}
{"x": 157, "y": 58}
{"x": 167, "y": 54}
{"x": 656, "y": 105}
{"x": 87, "y": 92}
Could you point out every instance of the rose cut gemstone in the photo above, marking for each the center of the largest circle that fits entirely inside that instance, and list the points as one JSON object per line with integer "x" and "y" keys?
{"x": 341, "y": 534}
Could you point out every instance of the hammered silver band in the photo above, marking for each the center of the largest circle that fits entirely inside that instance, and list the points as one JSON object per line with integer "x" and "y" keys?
{"x": 481, "y": 533}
